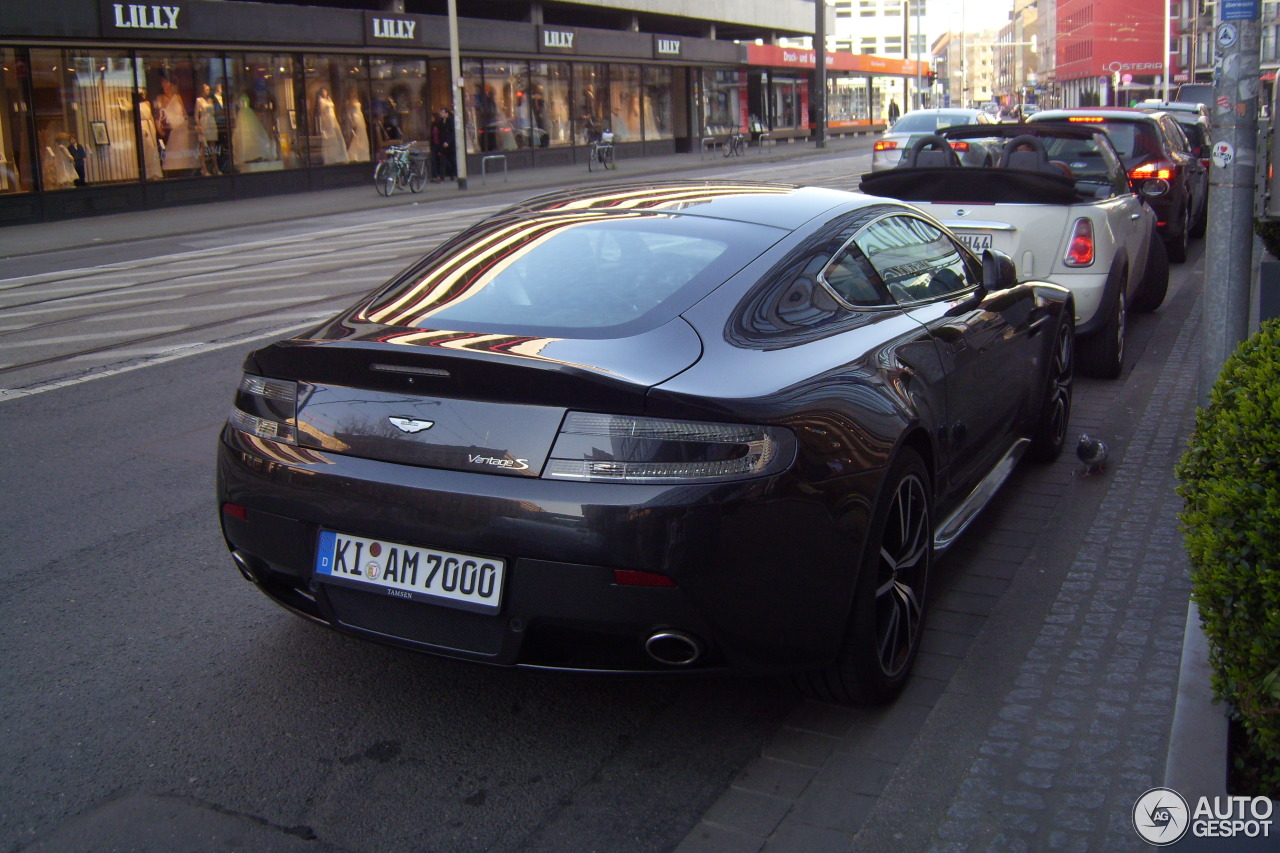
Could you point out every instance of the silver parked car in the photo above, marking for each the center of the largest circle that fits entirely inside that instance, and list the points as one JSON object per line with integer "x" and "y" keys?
{"x": 892, "y": 147}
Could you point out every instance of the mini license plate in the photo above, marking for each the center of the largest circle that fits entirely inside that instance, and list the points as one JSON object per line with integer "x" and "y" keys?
{"x": 975, "y": 241}
{"x": 417, "y": 574}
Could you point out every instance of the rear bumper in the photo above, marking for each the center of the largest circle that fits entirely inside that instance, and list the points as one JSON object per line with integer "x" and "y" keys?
{"x": 763, "y": 569}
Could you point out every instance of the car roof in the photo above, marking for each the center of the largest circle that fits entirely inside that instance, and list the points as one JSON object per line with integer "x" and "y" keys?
{"x": 778, "y": 205}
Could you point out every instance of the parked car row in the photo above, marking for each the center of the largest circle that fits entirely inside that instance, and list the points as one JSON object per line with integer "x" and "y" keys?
{"x": 705, "y": 426}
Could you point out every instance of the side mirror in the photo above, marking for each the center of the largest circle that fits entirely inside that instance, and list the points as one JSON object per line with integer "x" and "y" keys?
{"x": 998, "y": 271}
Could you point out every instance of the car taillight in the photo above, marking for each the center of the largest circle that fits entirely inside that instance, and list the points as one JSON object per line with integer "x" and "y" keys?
{"x": 1162, "y": 169}
{"x": 1086, "y": 119}
{"x": 885, "y": 145}
{"x": 623, "y": 449}
{"x": 1080, "y": 249}
{"x": 959, "y": 146}
{"x": 266, "y": 408}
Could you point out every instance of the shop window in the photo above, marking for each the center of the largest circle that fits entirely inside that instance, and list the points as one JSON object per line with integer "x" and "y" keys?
{"x": 337, "y": 121}
{"x": 624, "y": 109}
{"x": 180, "y": 98}
{"x": 83, "y": 111}
{"x": 659, "y": 104}
{"x": 789, "y": 96}
{"x": 16, "y": 172}
{"x": 504, "y": 105}
{"x": 400, "y": 92}
{"x": 549, "y": 104}
{"x": 721, "y": 109}
{"x": 264, "y": 129}
{"x": 591, "y": 101}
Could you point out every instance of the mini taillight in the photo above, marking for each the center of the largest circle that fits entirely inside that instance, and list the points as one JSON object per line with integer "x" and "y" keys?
{"x": 623, "y": 449}
{"x": 266, "y": 408}
{"x": 885, "y": 145}
{"x": 1162, "y": 169}
{"x": 1080, "y": 249}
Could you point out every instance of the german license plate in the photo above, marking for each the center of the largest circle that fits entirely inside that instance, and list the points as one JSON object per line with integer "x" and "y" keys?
{"x": 975, "y": 240}
{"x": 464, "y": 581}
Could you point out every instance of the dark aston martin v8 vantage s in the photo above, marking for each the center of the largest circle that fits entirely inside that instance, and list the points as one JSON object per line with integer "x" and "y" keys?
{"x": 673, "y": 427}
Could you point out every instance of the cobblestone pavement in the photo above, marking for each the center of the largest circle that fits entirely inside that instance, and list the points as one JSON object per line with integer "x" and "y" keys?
{"x": 1041, "y": 704}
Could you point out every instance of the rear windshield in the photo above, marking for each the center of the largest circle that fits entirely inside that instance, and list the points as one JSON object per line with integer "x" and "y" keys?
{"x": 931, "y": 122}
{"x": 572, "y": 274}
{"x": 1132, "y": 139}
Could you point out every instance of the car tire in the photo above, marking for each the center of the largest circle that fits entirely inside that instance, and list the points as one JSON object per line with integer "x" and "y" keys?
{"x": 1050, "y": 433}
{"x": 886, "y": 620}
{"x": 1102, "y": 353}
{"x": 1202, "y": 221}
{"x": 1155, "y": 280}
{"x": 1177, "y": 244}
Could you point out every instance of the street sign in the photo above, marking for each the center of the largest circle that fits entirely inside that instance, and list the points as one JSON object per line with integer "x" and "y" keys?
{"x": 1239, "y": 10}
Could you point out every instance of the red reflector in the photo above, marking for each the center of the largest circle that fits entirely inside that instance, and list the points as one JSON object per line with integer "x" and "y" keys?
{"x": 630, "y": 577}
{"x": 236, "y": 511}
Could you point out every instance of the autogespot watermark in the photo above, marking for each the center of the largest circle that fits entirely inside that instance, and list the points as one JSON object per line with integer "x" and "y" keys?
{"x": 1162, "y": 817}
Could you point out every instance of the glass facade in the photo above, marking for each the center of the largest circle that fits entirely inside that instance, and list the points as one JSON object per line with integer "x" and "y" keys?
{"x": 73, "y": 117}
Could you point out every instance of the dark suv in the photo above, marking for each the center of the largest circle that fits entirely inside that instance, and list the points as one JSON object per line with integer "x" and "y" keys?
{"x": 1161, "y": 165}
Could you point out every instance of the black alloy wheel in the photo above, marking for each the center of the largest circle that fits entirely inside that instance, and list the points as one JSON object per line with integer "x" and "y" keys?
{"x": 886, "y": 621}
{"x": 1050, "y": 434}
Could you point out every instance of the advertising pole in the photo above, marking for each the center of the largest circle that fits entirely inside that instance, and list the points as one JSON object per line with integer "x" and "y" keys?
{"x": 1232, "y": 175}
{"x": 820, "y": 72}
{"x": 459, "y": 97}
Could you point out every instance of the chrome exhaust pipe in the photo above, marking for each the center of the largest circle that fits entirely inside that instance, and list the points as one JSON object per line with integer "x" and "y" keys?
{"x": 673, "y": 648}
{"x": 242, "y": 563}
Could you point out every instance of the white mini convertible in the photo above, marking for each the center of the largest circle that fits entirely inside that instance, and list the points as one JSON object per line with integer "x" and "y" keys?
{"x": 1059, "y": 203}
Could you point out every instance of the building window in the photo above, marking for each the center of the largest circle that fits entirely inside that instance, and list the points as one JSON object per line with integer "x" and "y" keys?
{"x": 549, "y": 105}
{"x": 867, "y": 8}
{"x": 720, "y": 96}
{"x": 659, "y": 104}
{"x": 187, "y": 118}
{"x": 591, "y": 100}
{"x": 868, "y": 45}
{"x": 397, "y": 101}
{"x": 337, "y": 90}
{"x": 15, "y": 137}
{"x": 262, "y": 114}
{"x": 624, "y": 110}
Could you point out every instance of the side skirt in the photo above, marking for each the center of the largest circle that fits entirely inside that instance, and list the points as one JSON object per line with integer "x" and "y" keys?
{"x": 955, "y": 524}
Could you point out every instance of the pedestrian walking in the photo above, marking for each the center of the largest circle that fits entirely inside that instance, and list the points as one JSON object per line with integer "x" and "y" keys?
{"x": 444, "y": 162}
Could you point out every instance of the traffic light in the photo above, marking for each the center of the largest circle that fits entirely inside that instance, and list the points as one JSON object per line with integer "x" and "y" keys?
{"x": 930, "y": 76}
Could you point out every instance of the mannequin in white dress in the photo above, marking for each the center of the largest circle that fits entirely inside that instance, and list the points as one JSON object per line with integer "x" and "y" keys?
{"x": 207, "y": 130}
{"x": 358, "y": 147}
{"x": 332, "y": 147}
{"x": 180, "y": 148}
{"x": 150, "y": 142}
{"x": 250, "y": 141}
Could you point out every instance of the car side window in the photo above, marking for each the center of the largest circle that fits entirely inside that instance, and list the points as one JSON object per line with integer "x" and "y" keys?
{"x": 917, "y": 261}
{"x": 1177, "y": 140}
{"x": 854, "y": 280}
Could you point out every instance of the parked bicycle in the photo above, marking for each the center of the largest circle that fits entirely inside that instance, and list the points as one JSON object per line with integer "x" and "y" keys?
{"x": 602, "y": 152}
{"x": 401, "y": 166}
{"x": 736, "y": 144}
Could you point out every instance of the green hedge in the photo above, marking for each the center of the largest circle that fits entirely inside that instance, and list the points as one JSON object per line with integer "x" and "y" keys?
{"x": 1231, "y": 486}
